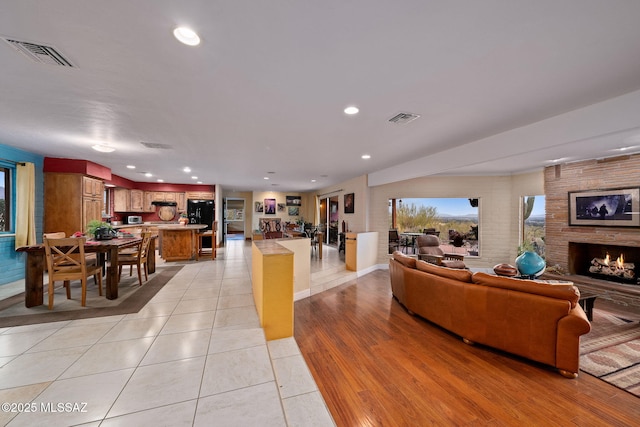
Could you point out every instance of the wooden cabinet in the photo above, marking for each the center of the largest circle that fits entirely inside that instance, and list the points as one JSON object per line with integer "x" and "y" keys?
{"x": 121, "y": 200}
{"x": 168, "y": 196}
{"x": 158, "y": 196}
{"x": 199, "y": 195}
{"x": 91, "y": 209}
{"x": 137, "y": 200}
{"x": 92, "y": 187}
{"x": 148, "y": 199}
{"x": 181, "y": 200}
{"x": 71, "y": 201}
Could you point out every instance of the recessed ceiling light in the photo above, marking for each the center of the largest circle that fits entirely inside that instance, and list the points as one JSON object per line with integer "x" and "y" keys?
{"x": 313, "y": 180}
{"x": 351, "y": 110}
{"x": 559, "y": 160}
{"x": 194, "y": 177}
{"x": 103, "y": 148}
{"x": 627, "y": 148}
{"x": 148, "y": 174}
{"x": 160, "y": 180}
{"x": 131, "y": 167}
{"x": 266, "y": 178}
{"x": 187, "y": 36}
{"x": 199, "y": 182}
{"x": 366, "y": 156}
{"x": 187, "y": 169}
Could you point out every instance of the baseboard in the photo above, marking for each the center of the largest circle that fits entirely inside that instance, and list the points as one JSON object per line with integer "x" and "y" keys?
{"x": 302, "y": 295}
{"x": 371, "y": 269}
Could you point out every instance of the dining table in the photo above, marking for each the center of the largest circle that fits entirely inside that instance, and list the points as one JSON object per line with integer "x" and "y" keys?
{"x": 107, "y": 253}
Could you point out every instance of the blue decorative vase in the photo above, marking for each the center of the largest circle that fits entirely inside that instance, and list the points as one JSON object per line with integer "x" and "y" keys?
{"x": 530, "y": 264}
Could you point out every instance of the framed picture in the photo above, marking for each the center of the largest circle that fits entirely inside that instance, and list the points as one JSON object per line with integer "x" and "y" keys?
{"x": 259, "y": 207}
{"x": 348, "y": 203}
{"x": 281, "y": 207}
{"x": 294, "y": 200}
{"x": 270, "y": 206}
{"x": 294, "y": 211}
{"x": 606, "y": 208}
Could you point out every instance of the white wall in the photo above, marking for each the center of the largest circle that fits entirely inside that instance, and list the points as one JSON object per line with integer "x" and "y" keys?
{"x": 499, "y": 207}
{"x": 358, "y": 220}
{"x": 259, "y": 196}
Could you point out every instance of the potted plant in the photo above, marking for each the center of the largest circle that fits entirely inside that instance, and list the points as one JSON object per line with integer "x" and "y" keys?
{"x": 94, "y": 224}
{"x": 183, "y": 219}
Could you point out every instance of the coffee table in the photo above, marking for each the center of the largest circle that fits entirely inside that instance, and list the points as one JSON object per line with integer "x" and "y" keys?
{"x": 586, "y": 301}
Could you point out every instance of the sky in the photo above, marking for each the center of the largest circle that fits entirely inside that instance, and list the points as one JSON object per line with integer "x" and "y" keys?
{"x": 459, "y": 206}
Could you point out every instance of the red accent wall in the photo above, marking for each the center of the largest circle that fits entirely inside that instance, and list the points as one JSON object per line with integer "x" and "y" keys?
{"x": 84, "y": 167}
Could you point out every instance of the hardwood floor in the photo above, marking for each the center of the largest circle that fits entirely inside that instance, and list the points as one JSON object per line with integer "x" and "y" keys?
{"x": 376, "y": 365}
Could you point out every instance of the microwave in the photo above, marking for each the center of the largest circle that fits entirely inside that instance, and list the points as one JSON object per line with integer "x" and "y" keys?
{"x": 134, "y": 219}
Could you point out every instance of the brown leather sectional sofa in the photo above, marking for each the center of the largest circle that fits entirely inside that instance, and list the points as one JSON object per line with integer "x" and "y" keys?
{"x": 539, "y": 321}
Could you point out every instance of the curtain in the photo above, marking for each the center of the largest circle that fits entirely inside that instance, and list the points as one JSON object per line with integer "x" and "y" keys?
{"x": 25, "y": 204}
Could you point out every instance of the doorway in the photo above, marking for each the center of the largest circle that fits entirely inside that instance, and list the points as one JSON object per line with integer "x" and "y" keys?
{"x": 234, "y": 219}
{"x": 329, "y": 219}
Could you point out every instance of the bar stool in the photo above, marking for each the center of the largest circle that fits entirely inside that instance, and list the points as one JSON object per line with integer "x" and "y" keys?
{"x": 209, "y": 233}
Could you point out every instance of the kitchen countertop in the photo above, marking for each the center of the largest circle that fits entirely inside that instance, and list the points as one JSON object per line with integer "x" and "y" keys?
{"x": 145, "y": 224}
{"x": 178, "y": 227}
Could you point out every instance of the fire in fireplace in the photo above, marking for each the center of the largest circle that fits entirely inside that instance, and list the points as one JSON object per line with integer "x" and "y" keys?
{"x": 617, "y": 268}
{"x": 595, "y": 260}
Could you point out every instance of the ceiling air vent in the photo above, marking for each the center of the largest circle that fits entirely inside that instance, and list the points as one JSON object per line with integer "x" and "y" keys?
{"x": 403, "y": 118}
{"x": 156, "y": 146}
{"x": 39, "y": 53}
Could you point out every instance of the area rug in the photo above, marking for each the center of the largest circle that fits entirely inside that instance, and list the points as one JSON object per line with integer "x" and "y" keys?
{"x": 611, "y": 351}
{"x": 131, "y": 298}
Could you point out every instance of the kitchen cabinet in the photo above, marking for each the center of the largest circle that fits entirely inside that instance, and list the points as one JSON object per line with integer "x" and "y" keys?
{"x": 148, "y": 202}
{"x": 199, "y": 195}
{"x": 92, "y": 187}
{"x": 71, "y": 201}
{"x": 181, "y": 200}
{"x": 121, "y": 200}
{"x": 158, "y": 196}
{"x": 170, "y": 196}
{"x": 137, "y": 200}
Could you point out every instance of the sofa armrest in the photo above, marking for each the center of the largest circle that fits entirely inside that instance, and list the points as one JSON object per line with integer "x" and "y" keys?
{"x": 570, "y": 328}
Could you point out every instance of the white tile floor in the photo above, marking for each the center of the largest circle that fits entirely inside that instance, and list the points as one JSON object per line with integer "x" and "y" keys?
{"x": 195, "y": 355}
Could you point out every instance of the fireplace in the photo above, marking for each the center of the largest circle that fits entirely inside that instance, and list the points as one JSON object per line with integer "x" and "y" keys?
{"x": 605, "y": 262}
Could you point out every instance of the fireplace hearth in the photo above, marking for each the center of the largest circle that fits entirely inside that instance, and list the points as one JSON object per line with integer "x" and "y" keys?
{"x": 605, "y": 262}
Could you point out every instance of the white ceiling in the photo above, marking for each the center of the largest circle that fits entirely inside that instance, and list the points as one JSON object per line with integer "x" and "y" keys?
{"x": 265, "y": 90}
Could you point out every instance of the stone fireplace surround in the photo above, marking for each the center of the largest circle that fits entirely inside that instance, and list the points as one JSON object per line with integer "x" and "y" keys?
{"x": 567, "y": 245}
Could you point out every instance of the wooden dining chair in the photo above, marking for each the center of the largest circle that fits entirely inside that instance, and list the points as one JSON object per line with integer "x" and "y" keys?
{"x": 66, "y": 262}
{"x": 138, "y": 257}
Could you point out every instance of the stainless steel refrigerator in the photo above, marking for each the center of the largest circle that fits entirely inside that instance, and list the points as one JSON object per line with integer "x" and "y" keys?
{"x": 202, "y": 212}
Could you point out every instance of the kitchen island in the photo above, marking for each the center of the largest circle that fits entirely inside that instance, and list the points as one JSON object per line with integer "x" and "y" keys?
{"x": 179, "y": 242}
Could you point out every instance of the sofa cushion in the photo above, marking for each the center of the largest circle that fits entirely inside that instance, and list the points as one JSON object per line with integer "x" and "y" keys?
{"x": 405, "y": 260}
{"x": 564, "y": 291}
{"x": 462, "y": 275}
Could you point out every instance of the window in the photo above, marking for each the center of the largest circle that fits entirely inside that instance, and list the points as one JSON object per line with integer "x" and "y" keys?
{"x": 533, "y": 225}
{"x": 453, "y": 220}
{"x": 5, "y": 199}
